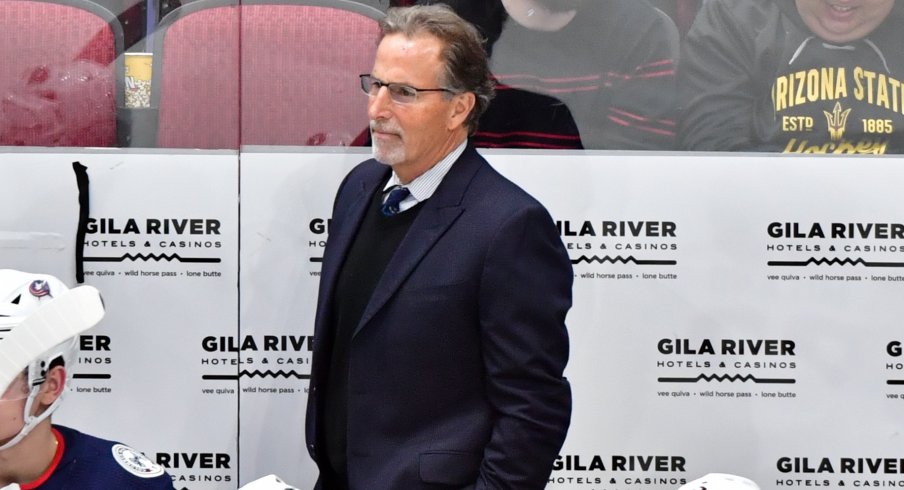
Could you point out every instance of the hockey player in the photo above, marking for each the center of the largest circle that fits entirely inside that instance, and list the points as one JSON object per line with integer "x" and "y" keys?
{"x": 40, "y": 321}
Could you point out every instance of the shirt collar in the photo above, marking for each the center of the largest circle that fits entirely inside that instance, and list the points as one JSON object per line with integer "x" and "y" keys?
{"x": 426, "y": 184}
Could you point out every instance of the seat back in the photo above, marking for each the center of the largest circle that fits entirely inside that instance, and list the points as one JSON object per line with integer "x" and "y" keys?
{"x": 262, "y": 72}
{"x": 195, "y": 82}
{"x": 60, "y": 73}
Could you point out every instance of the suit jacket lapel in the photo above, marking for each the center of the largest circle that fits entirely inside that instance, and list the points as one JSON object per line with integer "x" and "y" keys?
{"x": 438, "y": 214}
{"x": 334, "y": 255}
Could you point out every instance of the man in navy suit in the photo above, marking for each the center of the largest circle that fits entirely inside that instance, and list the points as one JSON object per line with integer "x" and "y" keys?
{"x": 440, "y": 328}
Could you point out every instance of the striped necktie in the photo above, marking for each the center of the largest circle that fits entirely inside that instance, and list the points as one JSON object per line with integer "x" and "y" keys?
{"x": 396, "y": 195}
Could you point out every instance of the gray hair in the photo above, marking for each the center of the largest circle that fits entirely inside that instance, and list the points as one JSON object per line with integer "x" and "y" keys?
{"x": 466, "y": 65}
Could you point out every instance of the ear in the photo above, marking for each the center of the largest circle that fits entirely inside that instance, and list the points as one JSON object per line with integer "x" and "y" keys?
{"x": 53, "y": 386}
{"x": 461, "y": 107}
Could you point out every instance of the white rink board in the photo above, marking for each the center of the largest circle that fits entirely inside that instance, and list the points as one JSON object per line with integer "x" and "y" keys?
{"x": 286, "y": 204}
{"x": 733, "y": 313}
{"x": 163, "y": 250}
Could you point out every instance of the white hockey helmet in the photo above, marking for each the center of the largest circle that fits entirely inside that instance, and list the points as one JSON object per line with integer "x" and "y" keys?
{"x": 40, "y": 323}
{"x": 721, "y": 481}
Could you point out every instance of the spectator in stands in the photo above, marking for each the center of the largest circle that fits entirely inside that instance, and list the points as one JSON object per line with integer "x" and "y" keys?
{"x": 40, "y": 319}
{"x": 608, "y": 64}
{"x": 794, "y": 76}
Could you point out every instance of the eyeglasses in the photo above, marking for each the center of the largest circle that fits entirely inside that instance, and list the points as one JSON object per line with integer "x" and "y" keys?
{"x": 399, "y": 93}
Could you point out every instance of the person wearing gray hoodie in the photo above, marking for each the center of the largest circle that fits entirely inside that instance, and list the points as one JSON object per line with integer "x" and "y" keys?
{"x": 794, "y": 76}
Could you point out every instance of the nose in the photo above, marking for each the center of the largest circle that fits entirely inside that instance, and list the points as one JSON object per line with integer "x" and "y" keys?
{"x": 378, "y": 106}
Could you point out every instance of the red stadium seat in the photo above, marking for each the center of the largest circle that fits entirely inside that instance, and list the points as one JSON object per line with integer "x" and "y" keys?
{"x": 61, "y": 76}
{"x": 265, "y": 72}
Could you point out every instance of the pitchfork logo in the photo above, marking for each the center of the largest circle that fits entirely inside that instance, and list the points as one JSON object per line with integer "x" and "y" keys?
{"x": 837, "y": 120}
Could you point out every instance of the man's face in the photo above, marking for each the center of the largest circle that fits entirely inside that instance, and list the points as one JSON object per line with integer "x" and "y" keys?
{"x": 410, "y": 137}
{"x": 841, "y": 21}
{"x": 12, "y": 403}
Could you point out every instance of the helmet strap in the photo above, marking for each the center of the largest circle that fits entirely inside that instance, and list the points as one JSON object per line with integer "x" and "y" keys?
{"x": 32, "y": 421}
